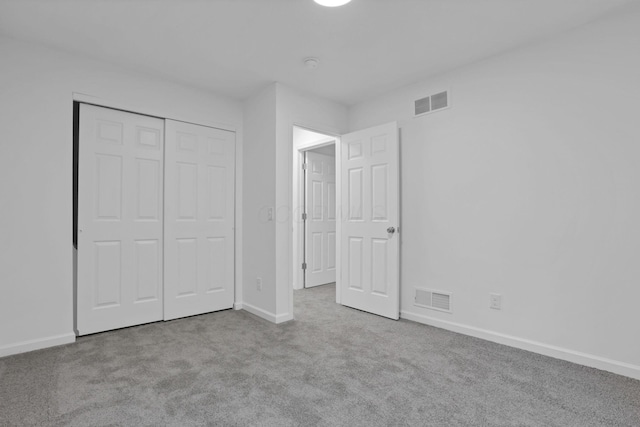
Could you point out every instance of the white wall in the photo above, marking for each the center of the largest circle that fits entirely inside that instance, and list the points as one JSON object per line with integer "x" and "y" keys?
{"x": 259, "y": 195}
{"x": 269, "y": 117}
{"x": 36, "y": 281}
{"x": 294, "y": 108}
{"x": 529, "y": 186}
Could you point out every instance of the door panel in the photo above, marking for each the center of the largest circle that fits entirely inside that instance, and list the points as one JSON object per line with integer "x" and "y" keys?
{"x": 187, "y": 190}
{"x": 320, "y": 224}
{"x": 149, "y": 190}
{"x": 119, "y": 219}
{"x": 217, "y": 185}
{"x": 187, "y": 264}
{"x": 199, "y": 220}
{"x": 354, "y": 262}
{"x": 217, "y": 264}
{"x": 108, "y": 274}
{"x": 108, "y": 193}
{"x": 369, "y": 194}
{"x": 148, "y": 259}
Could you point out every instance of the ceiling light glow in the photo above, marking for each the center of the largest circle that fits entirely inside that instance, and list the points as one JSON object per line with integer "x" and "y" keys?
{"x": 332, "y": 3}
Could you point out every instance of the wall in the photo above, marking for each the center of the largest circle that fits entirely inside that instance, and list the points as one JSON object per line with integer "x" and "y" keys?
{"x": 529, "y": 187}
{"x": 269, "y": 117}
{"x": 259, "y": 195}
{"x": 37, "y": 86}
{"x": 294, "y": 108}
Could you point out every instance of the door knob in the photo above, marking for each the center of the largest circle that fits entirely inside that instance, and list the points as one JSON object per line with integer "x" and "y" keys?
{"x": 391, "y": 230}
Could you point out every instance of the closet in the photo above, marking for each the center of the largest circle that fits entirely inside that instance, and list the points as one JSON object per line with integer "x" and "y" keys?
{"x": 155, "y": 219}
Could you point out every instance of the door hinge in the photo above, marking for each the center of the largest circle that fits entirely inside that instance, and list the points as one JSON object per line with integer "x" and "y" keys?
{"x": 304, "y": 166}
{"x": 304, "y": 216}
{"x": 304, "y": 265}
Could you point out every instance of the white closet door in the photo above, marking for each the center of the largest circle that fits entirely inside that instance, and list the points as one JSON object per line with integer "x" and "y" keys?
{"x": 369, "y": 243}
{"x": 119, "y": 219}
{"x": 320, "y": 236}
{"x": 199, "y": 219}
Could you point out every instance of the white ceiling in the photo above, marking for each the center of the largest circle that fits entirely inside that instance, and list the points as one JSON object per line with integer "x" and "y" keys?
{"x": 236, "y": 47}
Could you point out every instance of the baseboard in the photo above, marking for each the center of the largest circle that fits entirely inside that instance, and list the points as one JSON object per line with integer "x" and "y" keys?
{"x": 273, "y": 318}
{"x": 620, "y": 368}
{"x": 260, "y": 312}
{"x": 281, "y": 318}
{"x": 237, "y": 306}
{"x": 31, "y": 345}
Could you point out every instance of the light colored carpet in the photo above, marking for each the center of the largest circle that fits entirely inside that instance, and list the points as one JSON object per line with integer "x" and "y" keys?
{"x": 331, "y": 366}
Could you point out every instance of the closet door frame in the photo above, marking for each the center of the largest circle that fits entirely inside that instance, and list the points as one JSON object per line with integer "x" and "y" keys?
{"x": 153, "y": 111}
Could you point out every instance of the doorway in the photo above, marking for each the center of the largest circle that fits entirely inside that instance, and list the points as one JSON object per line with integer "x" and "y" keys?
{"x": 367, "y": 214}
{"x": 314, "y": 201}
{"x": 319, "y": 217}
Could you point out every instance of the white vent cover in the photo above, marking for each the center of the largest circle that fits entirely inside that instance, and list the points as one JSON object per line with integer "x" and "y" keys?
{"x": 431, "y": 103}
{"x": 434, "y": 300}
{"x": 423, "y": 106}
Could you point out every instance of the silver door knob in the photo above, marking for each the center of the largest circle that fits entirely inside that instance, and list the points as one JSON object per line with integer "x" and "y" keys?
{"x": 391, "y": 230}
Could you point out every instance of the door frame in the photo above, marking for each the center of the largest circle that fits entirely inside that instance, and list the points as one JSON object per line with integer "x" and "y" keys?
{"x": 297, "y": 195}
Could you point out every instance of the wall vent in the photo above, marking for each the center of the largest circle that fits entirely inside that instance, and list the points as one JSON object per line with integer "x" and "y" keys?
{"x": 431, "y": 103}
{"x": 423, "y": 106}
{"x": 435, "y": 300}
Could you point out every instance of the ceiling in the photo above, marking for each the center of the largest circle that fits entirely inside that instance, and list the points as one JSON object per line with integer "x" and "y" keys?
{"x": 236, "y": 47}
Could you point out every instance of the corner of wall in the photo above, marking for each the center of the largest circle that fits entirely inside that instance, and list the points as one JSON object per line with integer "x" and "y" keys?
{"x": 258, "y": 200}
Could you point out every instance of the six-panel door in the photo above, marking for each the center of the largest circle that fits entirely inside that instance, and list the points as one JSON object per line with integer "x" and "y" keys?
{"x": 369, "y": 220}
{"x": 320, "y": 231}
{"x": 199, "y": 222}
{"x": 120, "y": 216}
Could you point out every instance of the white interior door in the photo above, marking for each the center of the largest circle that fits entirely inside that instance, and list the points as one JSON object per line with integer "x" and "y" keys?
{"x": 370, "y": 207}
{"x": 199, "y": 219}
{"x": 119, "y": 219}
{"x": 320, "y": 207}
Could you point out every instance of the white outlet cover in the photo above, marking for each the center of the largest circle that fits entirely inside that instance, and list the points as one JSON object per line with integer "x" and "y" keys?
{"x": 495, "y": 301}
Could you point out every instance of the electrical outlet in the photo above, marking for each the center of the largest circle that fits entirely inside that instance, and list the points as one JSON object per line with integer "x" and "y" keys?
{"x": 259, "y": 283}
{"x": 495, "y": 301}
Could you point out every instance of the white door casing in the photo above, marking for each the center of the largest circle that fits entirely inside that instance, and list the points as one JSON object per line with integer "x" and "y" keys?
{"x": 369, "y": 240}
{"x": 320, "y": 225}
{"x": 120, "y": 215}
{"x": 199, "y": 219}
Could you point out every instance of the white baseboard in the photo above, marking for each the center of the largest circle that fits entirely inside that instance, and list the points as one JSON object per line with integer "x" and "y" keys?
{"x": 237, "y": 306}
{"x": 31, "y": 345}
{"x": 259, "y": 312}
{"x": 280, "y": 318}
{"x": 620, "y": 368}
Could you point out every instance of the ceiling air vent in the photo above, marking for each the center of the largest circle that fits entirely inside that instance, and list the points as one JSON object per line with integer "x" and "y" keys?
{"x": 431, "y": 103}
{"x": 434, "y": 300}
